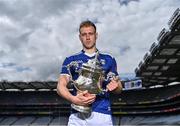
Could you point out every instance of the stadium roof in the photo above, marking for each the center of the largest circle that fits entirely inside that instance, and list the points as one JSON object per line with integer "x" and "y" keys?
{"x": 28, "y": 86}
{"x": 161, "y": 64}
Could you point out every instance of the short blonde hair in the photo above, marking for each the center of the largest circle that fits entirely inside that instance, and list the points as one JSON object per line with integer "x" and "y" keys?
{"x": 87, "y": 24}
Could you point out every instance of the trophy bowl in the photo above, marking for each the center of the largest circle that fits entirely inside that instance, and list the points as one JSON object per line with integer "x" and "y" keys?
{"x": 90, "y": 80}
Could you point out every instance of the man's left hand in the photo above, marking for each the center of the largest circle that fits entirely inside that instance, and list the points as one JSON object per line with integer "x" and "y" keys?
{"x": 114, "y": 84}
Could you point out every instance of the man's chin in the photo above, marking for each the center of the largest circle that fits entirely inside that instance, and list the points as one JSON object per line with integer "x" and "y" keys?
{"x": 89, "y": 47}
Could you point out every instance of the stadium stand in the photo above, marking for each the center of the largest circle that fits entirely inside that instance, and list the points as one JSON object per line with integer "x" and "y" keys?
{"x": 37, "y": 103}
{"x": 163, "y": 57}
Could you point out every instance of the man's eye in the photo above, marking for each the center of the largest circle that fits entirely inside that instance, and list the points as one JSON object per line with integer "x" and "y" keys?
{"x": 90, "y": 33}
{"x": 84, "y": 34}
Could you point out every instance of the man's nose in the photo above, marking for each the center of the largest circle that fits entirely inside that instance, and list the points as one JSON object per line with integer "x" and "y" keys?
{"x": 87, "y": 36}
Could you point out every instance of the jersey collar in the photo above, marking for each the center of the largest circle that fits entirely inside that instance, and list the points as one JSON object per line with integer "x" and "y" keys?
{"x": 89, "y": 55}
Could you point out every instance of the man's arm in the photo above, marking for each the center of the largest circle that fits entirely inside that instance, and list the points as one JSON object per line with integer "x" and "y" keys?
{"x": 82, "y": 98}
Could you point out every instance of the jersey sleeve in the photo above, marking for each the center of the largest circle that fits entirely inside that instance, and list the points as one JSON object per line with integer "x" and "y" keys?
{"x": 114, "y": 67}
{"x": 64, "y": 69}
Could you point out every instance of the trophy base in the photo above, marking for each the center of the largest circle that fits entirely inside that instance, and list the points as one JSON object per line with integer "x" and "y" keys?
{"x": 83, "y": 109}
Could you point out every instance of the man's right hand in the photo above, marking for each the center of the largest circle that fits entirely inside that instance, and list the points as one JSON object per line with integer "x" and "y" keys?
{"x": 84, "y": 98}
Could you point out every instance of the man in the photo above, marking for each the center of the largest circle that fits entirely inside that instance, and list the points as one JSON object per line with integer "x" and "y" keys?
{"x": 101, "y": 111}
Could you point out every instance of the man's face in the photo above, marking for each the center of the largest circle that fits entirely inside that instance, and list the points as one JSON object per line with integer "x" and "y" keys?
{"x": 88, "y": 37}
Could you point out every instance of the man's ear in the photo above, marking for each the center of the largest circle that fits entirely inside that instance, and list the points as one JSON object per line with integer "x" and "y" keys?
{"x": 79, "y": 37}
{"x": 96, "y": 35}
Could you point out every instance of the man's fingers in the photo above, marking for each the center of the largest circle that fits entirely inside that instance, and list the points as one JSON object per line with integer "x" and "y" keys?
{"x": 112, "y": 85}
{"x": 85, "y": 92}
{"x": 86, "y": 98}
{"x": 115, "y": 78}
{"x": 89, "y": 98}
{"x": 90, "y": 101}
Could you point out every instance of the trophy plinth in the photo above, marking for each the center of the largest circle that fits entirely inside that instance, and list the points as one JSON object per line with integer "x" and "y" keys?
{"x": 83, "y": 109}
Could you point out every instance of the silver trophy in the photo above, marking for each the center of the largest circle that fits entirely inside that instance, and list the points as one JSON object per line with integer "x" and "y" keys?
{"x": 90, "y": 78}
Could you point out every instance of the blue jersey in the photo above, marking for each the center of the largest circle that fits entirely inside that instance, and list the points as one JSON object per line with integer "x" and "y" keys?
{"x": 108, "y": 64}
